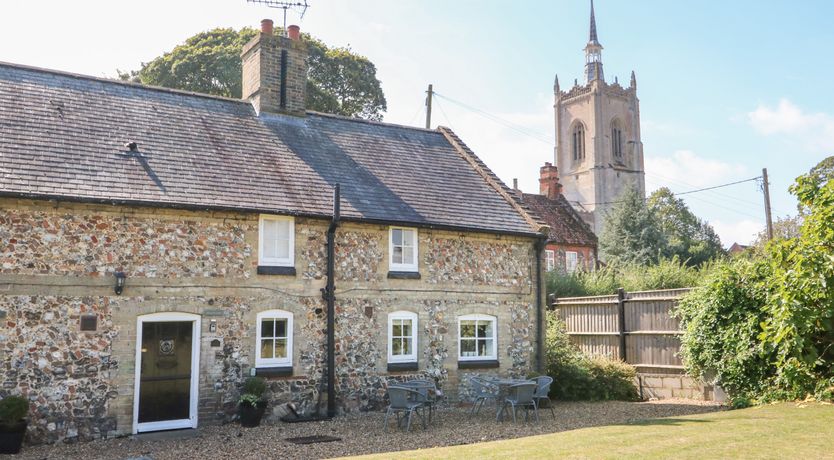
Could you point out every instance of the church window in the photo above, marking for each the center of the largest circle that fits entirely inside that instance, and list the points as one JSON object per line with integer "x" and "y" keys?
{"x": 616, "y": 140}
{"x": 578, "y": 142}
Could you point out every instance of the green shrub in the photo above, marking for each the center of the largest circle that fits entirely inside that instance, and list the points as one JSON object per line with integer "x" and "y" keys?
{"x": 255, "y": 386}
{"x": 12, "y": 410}
{"x": 578, "y": 377}
{"x": 763, "y": 326}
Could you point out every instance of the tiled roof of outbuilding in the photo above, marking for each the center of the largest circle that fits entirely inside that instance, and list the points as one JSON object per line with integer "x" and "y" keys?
{"x": 63, "y": 136}
{"x": 566, "y": 226}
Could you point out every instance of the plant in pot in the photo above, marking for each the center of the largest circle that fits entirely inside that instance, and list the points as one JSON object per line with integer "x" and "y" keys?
{"x": 252, "y": 405}
{"x": 13, "y": 410}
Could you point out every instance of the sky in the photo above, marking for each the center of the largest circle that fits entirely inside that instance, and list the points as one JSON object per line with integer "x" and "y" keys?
{"x": 725, "y": 88}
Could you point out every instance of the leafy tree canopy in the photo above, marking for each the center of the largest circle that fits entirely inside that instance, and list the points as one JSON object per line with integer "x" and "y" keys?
{"x": 687, "y": 237}
{"x": 339, "y": 80}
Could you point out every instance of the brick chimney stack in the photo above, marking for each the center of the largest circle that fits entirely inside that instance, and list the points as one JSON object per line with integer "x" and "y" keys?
{"x": 549, "y": 185}
{"x": 275, "y": 71}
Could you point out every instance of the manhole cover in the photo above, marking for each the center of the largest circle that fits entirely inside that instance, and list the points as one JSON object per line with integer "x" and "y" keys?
{"x": 312, "y": 439}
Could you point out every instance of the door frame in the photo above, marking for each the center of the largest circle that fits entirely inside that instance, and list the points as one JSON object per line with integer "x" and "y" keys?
{"x": 190, "y": 422}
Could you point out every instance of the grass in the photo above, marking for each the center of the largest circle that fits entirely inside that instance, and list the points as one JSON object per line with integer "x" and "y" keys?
{"x": 781, "y": 430}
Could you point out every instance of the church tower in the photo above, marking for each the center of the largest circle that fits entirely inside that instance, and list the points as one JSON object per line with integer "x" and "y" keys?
{"x": 598, "y": 149}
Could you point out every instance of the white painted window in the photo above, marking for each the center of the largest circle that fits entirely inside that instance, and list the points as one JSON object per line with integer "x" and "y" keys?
{"x": 476, "y": 337}
{"x": 571, "y": 261}
{"x": 402, "y": 337}
{"x": 402, "y": 249}
{"x": 274, "y": 339}
{"x": 276, "y": 241}
{"x": 549, "y": 259}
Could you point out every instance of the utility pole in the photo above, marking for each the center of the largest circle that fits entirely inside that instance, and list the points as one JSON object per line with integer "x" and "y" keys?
{"x": 430, "y": 93}
{"x": 766, "y": 189}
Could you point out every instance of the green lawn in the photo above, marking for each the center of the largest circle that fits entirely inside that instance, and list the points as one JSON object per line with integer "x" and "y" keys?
{"x": 787, "y": 430}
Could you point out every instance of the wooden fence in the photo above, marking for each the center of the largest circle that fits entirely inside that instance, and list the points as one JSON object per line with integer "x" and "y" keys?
{"x": 636, "y": 327}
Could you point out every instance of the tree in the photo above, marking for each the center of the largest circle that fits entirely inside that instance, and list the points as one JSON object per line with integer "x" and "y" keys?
{"x": 339, "y": 81}
{"x": 784, "y": 228}
{"x": 765, "y": 326}
{"x": 632, "y": 233}
{"x": 687, "y": 237}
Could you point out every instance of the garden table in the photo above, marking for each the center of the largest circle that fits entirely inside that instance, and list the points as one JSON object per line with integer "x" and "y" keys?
{"x": 503, "y": 384}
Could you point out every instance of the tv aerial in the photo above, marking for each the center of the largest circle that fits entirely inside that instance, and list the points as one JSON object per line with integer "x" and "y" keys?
{"x": 300, "y": 6}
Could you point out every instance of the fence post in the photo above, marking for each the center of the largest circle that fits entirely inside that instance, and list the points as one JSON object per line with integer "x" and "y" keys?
{"x": 621, "y": 318}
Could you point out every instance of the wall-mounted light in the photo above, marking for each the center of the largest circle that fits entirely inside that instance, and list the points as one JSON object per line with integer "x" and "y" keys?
{"x": 120, "y": 282}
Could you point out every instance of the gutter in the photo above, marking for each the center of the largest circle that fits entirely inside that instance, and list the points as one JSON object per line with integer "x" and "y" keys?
{"x": 540, "y": 245}
{"x": 261, "y": 210}
{"x": 329, "y": 294}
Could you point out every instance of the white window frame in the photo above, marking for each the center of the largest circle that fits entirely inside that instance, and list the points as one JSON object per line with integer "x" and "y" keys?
{"x": 568, "y": 267}
{"x": 478, "y": 317}
{"x": 276, "y": 261}
{"x": 395, "y": 267}
{"x": 402, "y": 315}
{"x": 549, "y": 259}
{"x": 273, "y": 362}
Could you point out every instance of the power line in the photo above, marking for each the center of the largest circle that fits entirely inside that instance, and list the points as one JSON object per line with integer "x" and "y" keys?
{"x": 718, "y": 186}
{"x": 515, "y": 127}
{"x": 444, "y": 114}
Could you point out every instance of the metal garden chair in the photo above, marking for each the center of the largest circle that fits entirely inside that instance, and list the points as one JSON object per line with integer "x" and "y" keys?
{"x": 542, "y": 392}
{"x": 521, "y": 395}
{"x": 482, "y": 390}
{"x": 405, "y": 401}
{"x": 427, "y": 390}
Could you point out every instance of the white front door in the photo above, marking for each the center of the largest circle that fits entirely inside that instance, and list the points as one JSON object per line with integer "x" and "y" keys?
{"x": 167, "y": 361}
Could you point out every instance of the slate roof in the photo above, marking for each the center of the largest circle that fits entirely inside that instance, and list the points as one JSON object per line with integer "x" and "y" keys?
{"x": 63, "y": 136}
{"x": 566, "y": 226}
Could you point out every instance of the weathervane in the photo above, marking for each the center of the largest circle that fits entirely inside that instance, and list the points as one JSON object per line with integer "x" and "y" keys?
{"x": 300, "y": 6}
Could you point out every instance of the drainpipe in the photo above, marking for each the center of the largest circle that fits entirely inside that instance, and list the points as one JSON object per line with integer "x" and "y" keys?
{"x": 540, "y": 307}
{"x": 329, "y": 294}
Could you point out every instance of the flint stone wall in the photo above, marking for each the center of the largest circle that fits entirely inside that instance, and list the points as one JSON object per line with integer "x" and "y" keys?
{"x": 56, "y": 264}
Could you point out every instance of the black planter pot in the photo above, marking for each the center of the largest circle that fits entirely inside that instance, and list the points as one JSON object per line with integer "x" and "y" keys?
{"x": 250, "y": 416}
{"x": 11, "y": 438}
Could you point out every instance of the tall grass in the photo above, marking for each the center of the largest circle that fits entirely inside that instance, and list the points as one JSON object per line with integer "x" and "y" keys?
{"x": 667, "y": 274}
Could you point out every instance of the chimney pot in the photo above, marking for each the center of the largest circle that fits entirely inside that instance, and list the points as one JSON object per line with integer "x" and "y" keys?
{"x": 266, "y": 26}
{"x": 294, "y": 32}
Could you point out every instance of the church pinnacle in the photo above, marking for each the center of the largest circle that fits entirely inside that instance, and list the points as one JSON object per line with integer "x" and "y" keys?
{"x": 593, "y": 53}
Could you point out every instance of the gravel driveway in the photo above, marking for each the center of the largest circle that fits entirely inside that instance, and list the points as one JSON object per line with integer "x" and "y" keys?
{"x": 362, "y": 433}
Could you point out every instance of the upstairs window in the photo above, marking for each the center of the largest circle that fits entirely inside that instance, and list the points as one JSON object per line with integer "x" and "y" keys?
{"x": 571, "y": 261}
{"x": 550, "y": 259}
{"x": 276, "y": 241}
{"x": 578, "y": 142}
{"x": 274, "y": 339}
{"x": 402, "y": 337}
{"x": 616, "y": 140}
{"x": 476, "y": 338}
{"x": 402, "y": 249}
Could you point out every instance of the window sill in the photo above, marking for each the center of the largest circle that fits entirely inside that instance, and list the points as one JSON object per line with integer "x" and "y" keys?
{"x": 478, "y": 364}
{"x": 274, "y": 270}
{"x": 399, "y": 367}
{"x": 284, "y": 371}
{"x": 402, "y": 275}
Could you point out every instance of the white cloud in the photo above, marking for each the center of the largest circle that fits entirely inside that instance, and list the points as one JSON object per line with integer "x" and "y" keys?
{"x": 741, "y": 231}
{"x": 813, "y": 130}
{"x": 686, "y": 169}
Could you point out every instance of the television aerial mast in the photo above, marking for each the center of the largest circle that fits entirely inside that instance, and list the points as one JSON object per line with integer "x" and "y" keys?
{"x": 300, "y": 6}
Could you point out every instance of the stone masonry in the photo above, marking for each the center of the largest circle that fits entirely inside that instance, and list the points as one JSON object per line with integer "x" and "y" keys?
{"x": 57, "y": 262}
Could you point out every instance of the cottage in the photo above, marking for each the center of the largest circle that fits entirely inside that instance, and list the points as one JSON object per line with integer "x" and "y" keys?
{"x": 571, "y": 244}
{"x": 158, "y": 246}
